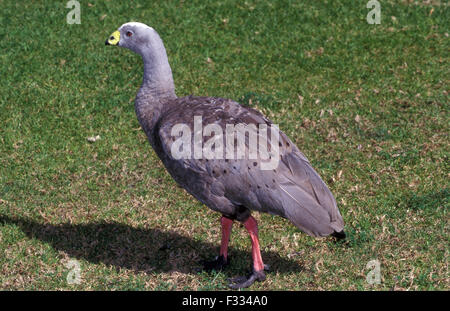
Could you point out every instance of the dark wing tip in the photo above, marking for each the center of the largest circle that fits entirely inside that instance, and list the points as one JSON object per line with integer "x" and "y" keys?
{"x": 339, "y": 235}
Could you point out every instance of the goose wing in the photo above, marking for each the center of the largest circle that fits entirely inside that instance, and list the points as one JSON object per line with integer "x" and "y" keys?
{"x": 292, "y": 189}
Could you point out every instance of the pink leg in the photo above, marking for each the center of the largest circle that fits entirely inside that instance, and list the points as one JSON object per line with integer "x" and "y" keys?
{"x": 252, "y": 227}
{"x": 222, "y": 260}
{"x": 226, "y": 223}
{"x": 258, "y": 266}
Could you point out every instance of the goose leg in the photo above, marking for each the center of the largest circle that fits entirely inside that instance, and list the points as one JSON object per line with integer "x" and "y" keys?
{"x": 222, "y": 260}
{"x": 258, "y": 266}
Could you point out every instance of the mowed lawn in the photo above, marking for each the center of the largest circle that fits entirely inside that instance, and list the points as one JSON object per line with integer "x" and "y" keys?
{"x": 367, "y": 104}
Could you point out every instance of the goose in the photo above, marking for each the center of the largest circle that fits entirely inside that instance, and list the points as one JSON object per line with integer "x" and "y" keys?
{"x": 233, "y": 186}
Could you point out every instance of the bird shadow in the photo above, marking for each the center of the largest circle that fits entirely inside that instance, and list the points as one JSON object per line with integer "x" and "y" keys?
{"x": 147, "y": 250}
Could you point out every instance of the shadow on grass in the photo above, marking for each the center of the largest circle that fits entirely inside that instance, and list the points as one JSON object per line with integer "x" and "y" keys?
{"x": 140, "y": 250}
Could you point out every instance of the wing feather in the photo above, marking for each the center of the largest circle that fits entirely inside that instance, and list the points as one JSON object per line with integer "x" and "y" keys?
{"x": 293, "y": 190}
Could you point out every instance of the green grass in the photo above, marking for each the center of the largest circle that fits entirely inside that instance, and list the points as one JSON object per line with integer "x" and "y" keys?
{"x": 368, "y": 105}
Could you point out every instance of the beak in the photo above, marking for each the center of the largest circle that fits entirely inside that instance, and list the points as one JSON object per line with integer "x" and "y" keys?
{"x": 113, "y": 39}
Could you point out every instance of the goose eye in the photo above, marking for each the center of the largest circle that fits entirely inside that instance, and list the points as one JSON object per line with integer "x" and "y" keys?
{"x": 129, "y": 33}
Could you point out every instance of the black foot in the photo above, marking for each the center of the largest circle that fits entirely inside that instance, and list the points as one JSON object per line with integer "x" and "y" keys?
{"x": 246, "y": 281}
{"x": 217, "y": 264}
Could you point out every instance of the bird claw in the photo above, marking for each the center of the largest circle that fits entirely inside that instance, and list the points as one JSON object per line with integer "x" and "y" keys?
{"x": 217, "y": 264}
{"x": 238, "y": 279}
{"x": 243, "y": 282}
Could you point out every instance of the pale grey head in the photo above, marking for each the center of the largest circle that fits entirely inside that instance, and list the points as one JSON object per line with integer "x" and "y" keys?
{"x": 145, "y": 41}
